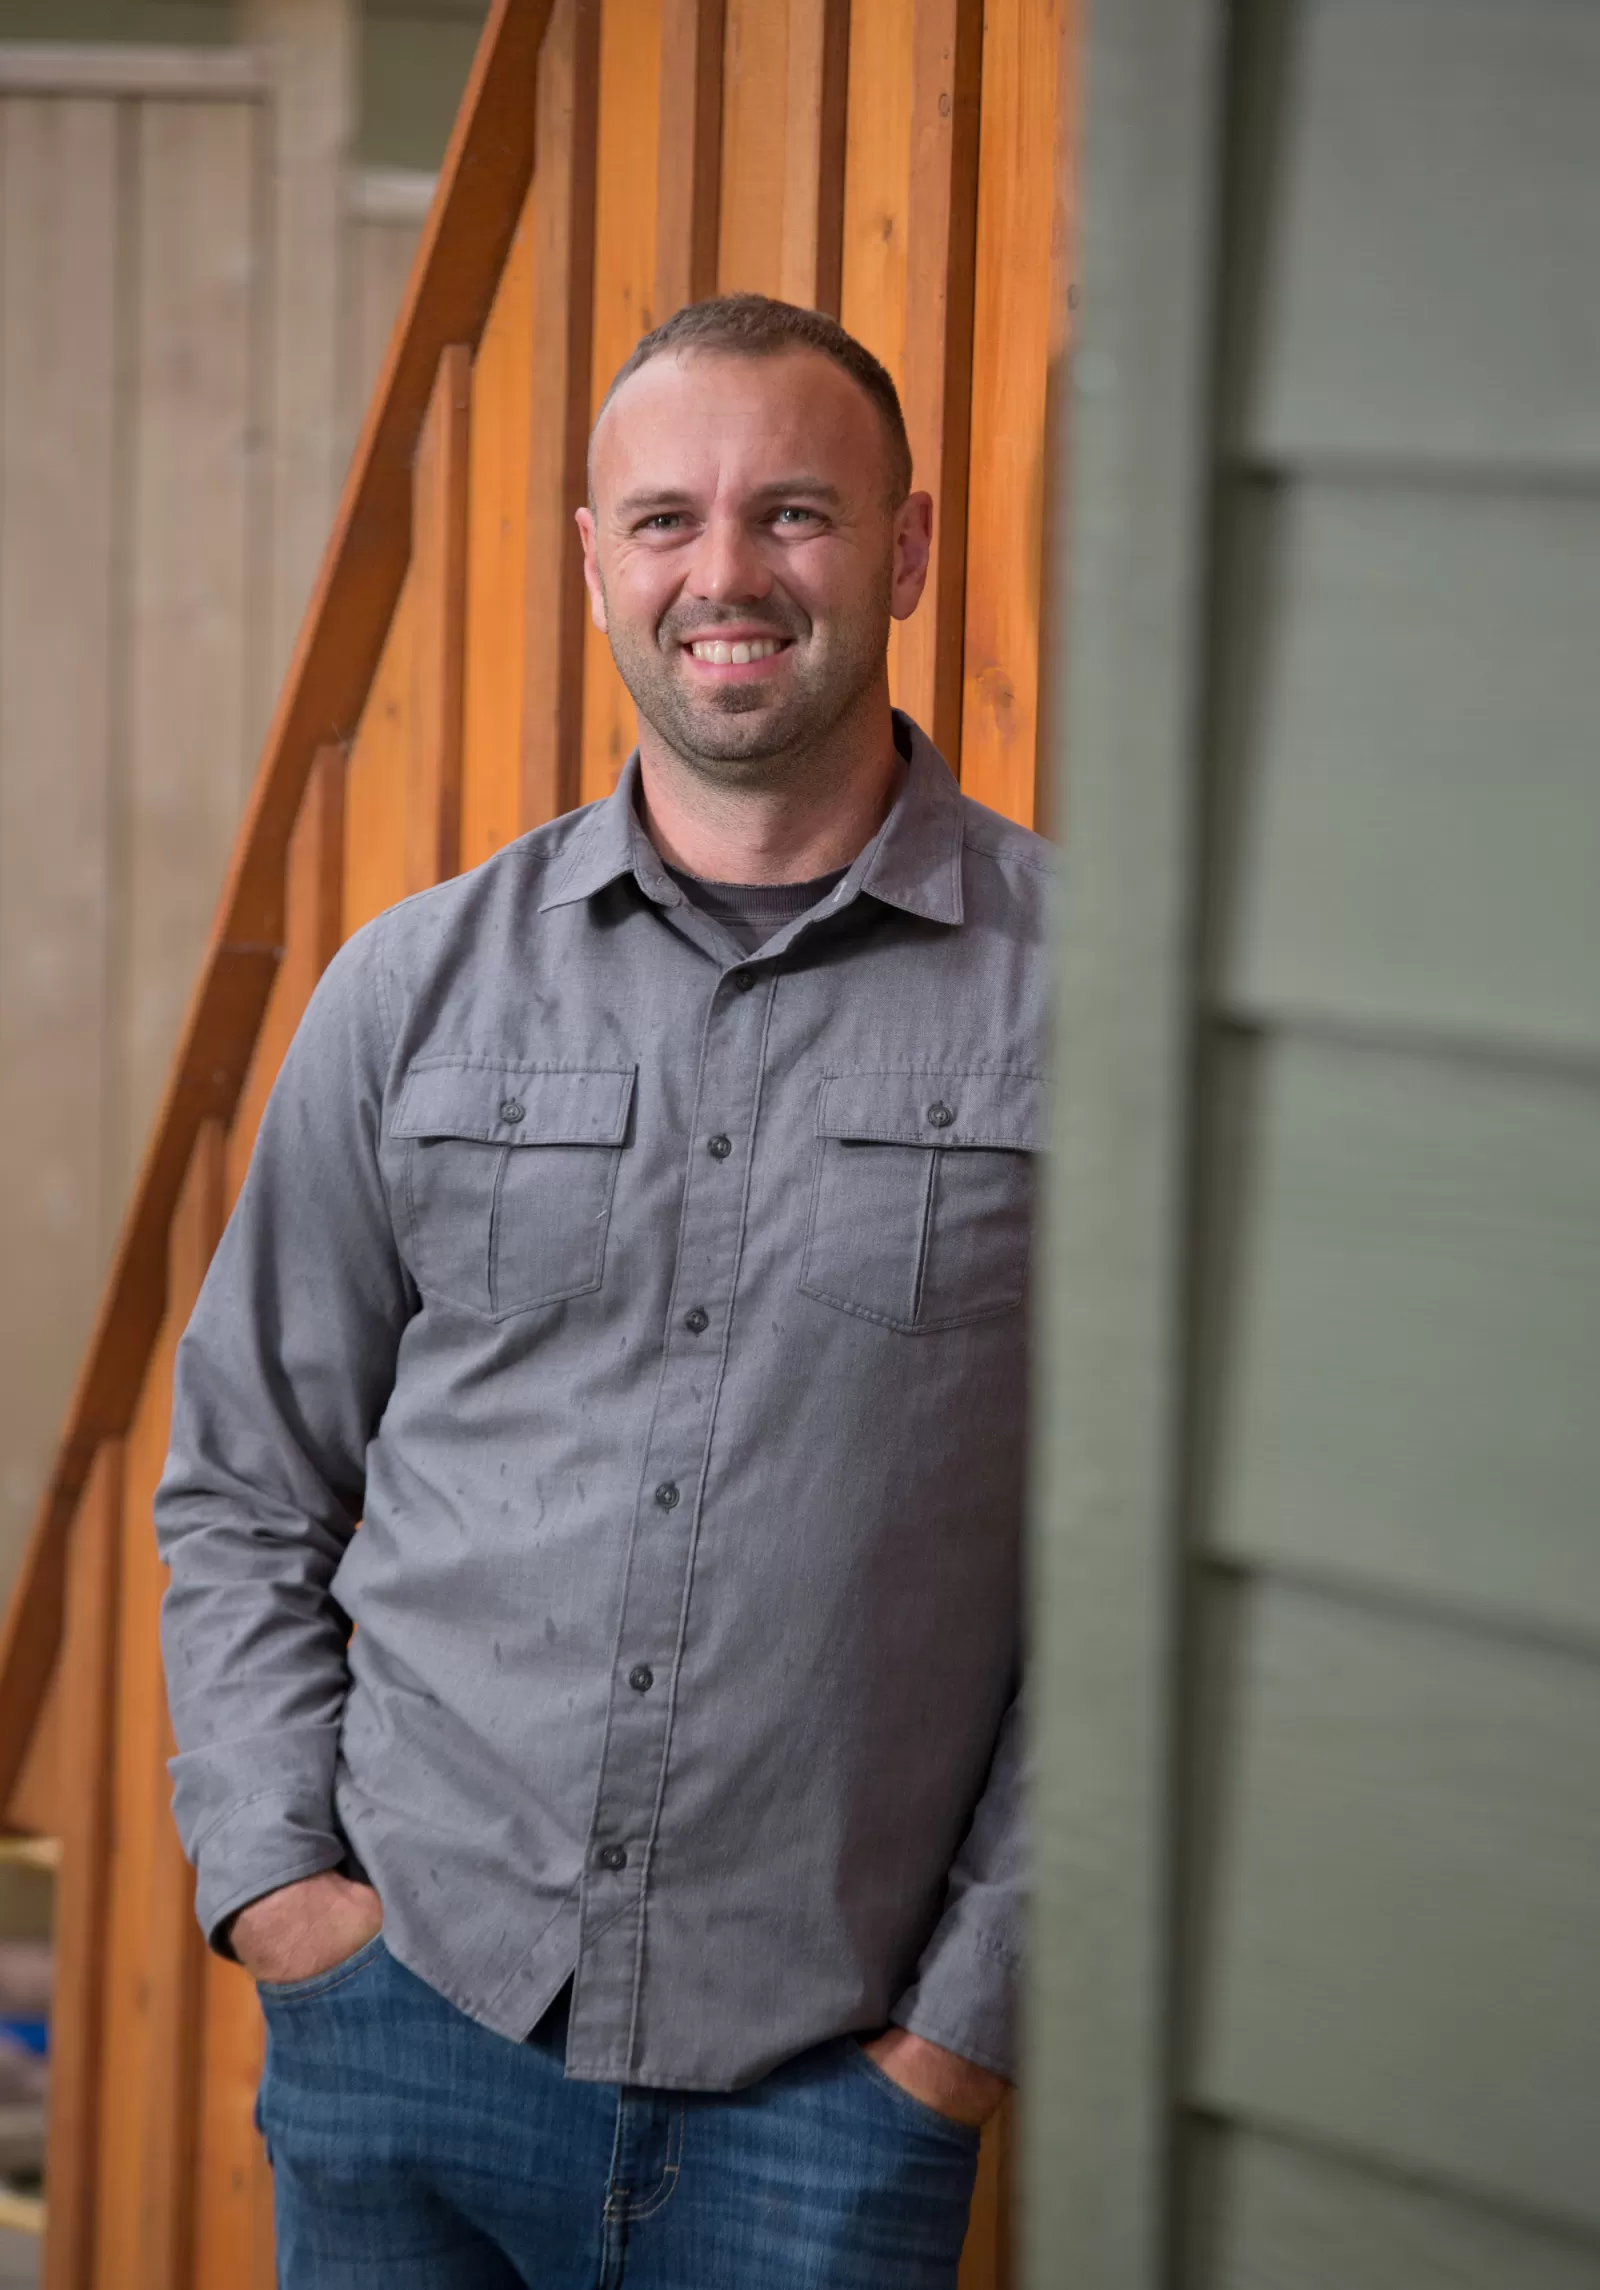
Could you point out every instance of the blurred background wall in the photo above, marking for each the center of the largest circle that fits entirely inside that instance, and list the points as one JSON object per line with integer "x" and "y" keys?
{"x": 207, "y": 212}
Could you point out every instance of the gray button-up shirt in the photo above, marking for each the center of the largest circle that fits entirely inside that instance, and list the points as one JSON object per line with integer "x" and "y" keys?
{"x": 658, "y": 1311}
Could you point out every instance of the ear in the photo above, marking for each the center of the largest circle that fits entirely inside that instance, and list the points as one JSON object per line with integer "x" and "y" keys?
{"x": 591, "y": 570}
{"x": 913, "y": 545}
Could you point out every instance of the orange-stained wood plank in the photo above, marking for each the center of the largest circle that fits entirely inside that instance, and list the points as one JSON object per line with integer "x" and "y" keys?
{"x": 438, "y": 643}
{"x": 311, "y": 937}
{"x": 563, "y": 343}
{"x": 909, "y": 236}
{"x": 785, "y": 69}
{"x": 755, "y": 130}
{"x": 624, "y": 289}
{"x": 689, "y": 160}
{"x": 937, "y": 390}
{"x": 35, "y": 1801}
{"x": 1015, "y": 328}
{"x": 814, "y": 153}
{"x": 877, "y": 197}
{"x": 482, "y": 184}
{"x": 375, "y": 786}
{"x": 986, "y": 2258}
{"x": 176, "y": 1962}
{"x": 88, "y": 1726}
{"x": 497, "y": 557}
{"x": 233, "y": 2189}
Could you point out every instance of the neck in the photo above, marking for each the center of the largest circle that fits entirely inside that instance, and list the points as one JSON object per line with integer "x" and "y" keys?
{"x": 810, "y": 818}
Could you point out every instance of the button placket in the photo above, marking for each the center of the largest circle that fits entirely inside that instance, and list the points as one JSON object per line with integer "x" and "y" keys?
{"x": 667, "y": 1524}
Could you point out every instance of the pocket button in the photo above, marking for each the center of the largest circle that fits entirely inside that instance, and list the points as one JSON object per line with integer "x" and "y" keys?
{"x": 512, "y": 1109}
{"x": 940, "y": 1114}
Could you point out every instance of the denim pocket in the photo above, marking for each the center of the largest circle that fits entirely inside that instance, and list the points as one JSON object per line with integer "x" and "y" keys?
{"x": 915, "y": 2110}
{"x": 321, "y": 1983}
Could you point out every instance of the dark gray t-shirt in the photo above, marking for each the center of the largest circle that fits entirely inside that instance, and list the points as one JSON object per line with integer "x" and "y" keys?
{"x": 751, "y": 913}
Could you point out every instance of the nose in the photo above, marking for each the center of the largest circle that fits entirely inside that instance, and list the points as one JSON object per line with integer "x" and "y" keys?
{"x": 728, "y": 566}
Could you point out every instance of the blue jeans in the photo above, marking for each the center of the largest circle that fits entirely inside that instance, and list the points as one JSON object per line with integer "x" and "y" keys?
{"x": 414, "y": 2150}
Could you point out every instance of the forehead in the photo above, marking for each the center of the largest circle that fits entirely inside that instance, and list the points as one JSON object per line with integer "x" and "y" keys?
{"x": 706, "y": 418}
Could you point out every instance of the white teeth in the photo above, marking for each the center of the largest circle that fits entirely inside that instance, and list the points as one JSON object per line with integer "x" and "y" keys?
{"x": 720, "y": 655}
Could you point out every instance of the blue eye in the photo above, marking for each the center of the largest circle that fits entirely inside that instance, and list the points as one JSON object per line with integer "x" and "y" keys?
{"x": 808, "y": 515}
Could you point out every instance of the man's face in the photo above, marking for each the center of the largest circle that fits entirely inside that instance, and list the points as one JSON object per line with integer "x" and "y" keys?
{"x": 743, "y": 555}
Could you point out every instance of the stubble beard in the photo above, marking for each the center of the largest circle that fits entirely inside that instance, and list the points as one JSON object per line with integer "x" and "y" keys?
{"x": 738, "y": 736}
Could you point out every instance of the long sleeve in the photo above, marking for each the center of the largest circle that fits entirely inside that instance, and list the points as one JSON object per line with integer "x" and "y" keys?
{"x": 965, "y": 1992}
{"x": 280, "y": 1378}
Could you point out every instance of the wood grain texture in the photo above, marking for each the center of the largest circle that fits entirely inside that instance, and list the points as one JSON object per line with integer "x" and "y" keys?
{"x": 1399, "y": 1881}
{"x": 756, "y": 128}
{"x": 986, "y": 2257}
{"x": 910, "y": 209}
{"x": 556, "y": 629}
{"x": 1389, "y": 648}
{"x": 312, "y": 934}
{"x": 189, "y": 569}
{"x": 88, "y": 1733}
{"x": 174, "y": 1965}
{"x": 1022, "y": 245}
{"x": 1403, "y": 1306}
{"x": 59, "y": 297}
{"x": 812, "y": 254}
{"x": 624, "y": 287}
{"x": 1269, "y": 2215}
{"x": 34, "y": 1805}
{"x": 1403, "y": 156}
{"x": 936, "y": 391}
{"x": 138, "y": 1809}
{"x": 689, "y": 159}
{"x": 375, "y": 857}
{"x": 432, "y": 801}
{"x": 499, "y": 445}
{"x": 448, "y": 299}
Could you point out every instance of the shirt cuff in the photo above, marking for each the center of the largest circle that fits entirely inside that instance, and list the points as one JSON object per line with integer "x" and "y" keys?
{"x": 964, "y": 1997}
{"x": 255, "y": 1815}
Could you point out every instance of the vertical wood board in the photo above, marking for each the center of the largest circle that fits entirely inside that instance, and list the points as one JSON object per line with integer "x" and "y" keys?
{"x": 624, "y": 286}
{"x": 375, "y": 816}
{"x": 189, "y": 563}
{"x": 500, "y": 446}
{"x": 432, "y": 801}
{"x": 59, "y": 293}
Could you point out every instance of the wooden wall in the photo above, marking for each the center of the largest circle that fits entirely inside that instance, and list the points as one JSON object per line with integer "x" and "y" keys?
{"x": 196, "y": 290}
{"x": 445, "y": 697}
{"x": 1330, "y": 1962}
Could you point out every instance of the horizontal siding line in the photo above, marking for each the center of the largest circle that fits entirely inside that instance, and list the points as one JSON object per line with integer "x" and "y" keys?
{"x": 1546, "y": 1061}
{"x": 1404, "y": 471}
{"x": 1365, "y": 2162}
{"x": 85, "y": 68}
{"x": 1237, "y": 1564}
{"x": 391, "y": 194}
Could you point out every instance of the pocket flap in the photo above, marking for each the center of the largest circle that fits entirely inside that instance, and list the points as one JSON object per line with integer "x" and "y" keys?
{"x": 515, "y": 1105}
{"x": 999, "y": 1110}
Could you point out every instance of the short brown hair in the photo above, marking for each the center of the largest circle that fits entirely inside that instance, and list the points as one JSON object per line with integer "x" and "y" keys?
{"x": 755, "y": 326}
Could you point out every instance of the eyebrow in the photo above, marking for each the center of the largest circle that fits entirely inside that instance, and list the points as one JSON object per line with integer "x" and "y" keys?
{"x": 783, "y": 488}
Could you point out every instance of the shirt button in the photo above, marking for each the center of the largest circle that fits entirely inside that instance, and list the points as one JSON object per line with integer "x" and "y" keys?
{"x": 744, "y": 980}
{"x": 667, "y": 1494}
{"x": 697, "y": 1322}
{"x": 642, "y": 1678}
{"x": 940, "y": 1114}
{"x": 512, "y": 1109}
{"x": 612, "y": 1856}
{"x": 719, "y": 1147}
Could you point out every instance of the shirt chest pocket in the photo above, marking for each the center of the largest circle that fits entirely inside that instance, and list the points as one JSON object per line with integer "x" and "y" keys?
{"x": 510, "y": 1173}
{"x": 922, "y": 1199}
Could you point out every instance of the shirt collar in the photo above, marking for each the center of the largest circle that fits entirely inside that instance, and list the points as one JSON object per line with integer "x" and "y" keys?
{"x": 913, "y": 862}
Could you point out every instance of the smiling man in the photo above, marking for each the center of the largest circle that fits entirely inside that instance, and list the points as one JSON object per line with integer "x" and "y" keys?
{"x": 636, "y": 1244}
